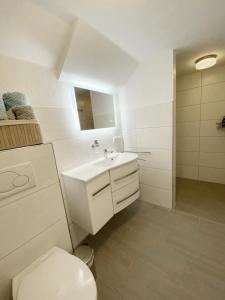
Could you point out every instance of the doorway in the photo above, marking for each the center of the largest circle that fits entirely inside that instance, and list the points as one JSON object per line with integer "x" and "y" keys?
{"x": 200, "y": 142}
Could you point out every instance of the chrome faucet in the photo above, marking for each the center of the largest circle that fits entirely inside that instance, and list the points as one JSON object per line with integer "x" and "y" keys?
{"x": 106, "y": 153}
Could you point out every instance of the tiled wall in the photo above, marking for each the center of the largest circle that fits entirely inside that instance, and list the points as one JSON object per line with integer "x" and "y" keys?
{"x": 53, "y": 102}
{"x": 34, "y": 220}
{"x": 200, "y": 144}
{"x": 147, "y": 119}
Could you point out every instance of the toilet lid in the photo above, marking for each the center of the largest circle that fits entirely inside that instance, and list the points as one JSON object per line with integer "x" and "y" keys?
{"x": 60, "y": 276}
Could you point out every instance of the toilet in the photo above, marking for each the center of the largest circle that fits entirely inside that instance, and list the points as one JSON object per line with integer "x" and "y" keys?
{"x": 56, "y": 275}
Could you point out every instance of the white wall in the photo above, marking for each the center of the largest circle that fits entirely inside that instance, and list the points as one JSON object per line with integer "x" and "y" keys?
{"x": 54, "y": 104}
{"x": 31, "y": 221}
{"x": 147, "y": 116}
{"x": 200, "y": 144}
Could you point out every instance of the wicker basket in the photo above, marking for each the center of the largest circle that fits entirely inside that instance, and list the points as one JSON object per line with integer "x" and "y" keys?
{"x": 19, "y": 133}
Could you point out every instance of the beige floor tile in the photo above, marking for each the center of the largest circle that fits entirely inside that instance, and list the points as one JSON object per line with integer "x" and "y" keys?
{"x": 149, "y": 253}
{"x": 203, "y": 199}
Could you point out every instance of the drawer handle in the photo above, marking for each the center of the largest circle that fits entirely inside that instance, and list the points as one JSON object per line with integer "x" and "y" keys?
{"x": 104, "y": 187}
{"x": 120, "y": 201}
{"x": 125, "y": 176}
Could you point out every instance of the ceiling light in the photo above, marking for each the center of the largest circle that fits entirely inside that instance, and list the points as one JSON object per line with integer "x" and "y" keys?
{"x": 205, "y": 62}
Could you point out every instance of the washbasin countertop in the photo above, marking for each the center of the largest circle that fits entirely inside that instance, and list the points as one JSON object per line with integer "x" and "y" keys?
{"x": 94, "y": 168}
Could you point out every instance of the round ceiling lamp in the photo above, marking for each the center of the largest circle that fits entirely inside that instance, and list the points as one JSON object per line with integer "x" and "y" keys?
{"x": 205, "y": 62}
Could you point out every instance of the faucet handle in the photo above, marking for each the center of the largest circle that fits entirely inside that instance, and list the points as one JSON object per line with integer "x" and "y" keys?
{"x": 95, "y": 144}
{"x": 108, "y": 151}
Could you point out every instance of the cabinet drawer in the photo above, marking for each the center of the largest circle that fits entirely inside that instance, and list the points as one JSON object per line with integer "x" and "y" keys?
{"x": 125, "y": 180}
{"x": 124, "y": 175}
{"x": 98, "y": 184}
{"x": 125, "y": 196}
{"x": 102, "y": 209}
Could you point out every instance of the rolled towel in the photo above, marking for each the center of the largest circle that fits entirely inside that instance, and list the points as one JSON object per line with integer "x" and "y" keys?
{"x": 3, "y": 115}
{"x": 13, "y": 99}
{"x": 23, "y": 112}
{"x": 10, "y": 114}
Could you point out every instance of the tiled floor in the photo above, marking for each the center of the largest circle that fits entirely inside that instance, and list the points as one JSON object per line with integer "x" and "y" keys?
{"x": 150, "y": 253}
{"x": 203, "y": 199}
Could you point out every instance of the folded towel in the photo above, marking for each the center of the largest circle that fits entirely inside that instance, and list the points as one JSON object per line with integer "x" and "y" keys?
{"x": 3, "y": 115}
{"x": 10, "y": 114}
{"x": 23, "y": 112}
{"x": 14, "y": 98}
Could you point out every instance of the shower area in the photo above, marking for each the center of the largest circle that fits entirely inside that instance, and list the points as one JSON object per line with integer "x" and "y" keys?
{"x": 200, "y": 143}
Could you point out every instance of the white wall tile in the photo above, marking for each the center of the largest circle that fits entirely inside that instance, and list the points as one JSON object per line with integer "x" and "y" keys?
{"x": 189, "y": 113}
{"x": 187, "y": 144}
{"x": 151, "y": 97}
{"x": 213, "y": 75}
{"x": 188, "y": 97}
{"x": 130, "y": 138}
{"x": 212, "y": 144}
{"x": 154, "y": 115}
{"x": 15, "y": 262}
{"x": 156, "y": 196}
{"x": 190, "y": 172}
{"x": 29, "y": 216}
{"x": 129, "y": 118}
{"x": 212, "y": 160}
{"x": 188, "y": 129}
{"x": 160, "y": 137}
{"x": 213, "y": 111}
{"x": 210, "y": 138}
{"x": 71, "y": 153}
{"x": 161, "y": 159}
{"x": 212, "y": 175}
{"x": 187, "y": 158}
{"x": 156, "y": 177}
{"x": 209, "y": 128}
{"x": 189, "y": 81}
{"x": 213, "y": 92}
{"x": 152, "y": 81}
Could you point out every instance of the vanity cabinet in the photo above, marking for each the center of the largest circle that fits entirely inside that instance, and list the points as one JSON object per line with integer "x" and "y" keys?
{"x": 125, "y": 185}
{"x": 96, "y": 193}
{"x": 90, "y": 203}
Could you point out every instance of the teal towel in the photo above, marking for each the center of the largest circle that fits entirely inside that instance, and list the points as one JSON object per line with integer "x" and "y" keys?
{"x": 14, "y": 98}
{"x": 3, "y": 115}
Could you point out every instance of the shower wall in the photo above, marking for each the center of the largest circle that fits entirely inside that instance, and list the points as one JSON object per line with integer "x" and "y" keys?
{"x": 200, "y": 145}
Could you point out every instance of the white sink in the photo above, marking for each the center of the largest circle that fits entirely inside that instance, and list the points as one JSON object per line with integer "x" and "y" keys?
{"x": 108, "y": 162}
{"x": 90, "y": 170}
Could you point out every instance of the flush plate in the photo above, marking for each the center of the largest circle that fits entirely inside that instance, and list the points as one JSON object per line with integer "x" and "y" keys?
{"x": 16, "y": 179}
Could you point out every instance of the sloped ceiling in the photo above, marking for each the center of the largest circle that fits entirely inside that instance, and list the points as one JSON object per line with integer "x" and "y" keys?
{"x": 142, "y": 27}
{"x": 38, "y": 30}
{"x": 94, "y": 61}
{"x": 30, "y": 33}
{"x": 76, "y": 50}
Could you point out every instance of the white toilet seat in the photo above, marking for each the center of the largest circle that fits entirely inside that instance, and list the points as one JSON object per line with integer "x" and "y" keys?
{"x": 55, "y": 276}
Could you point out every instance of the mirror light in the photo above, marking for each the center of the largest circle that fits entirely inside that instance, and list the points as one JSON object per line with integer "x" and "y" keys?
{"x": 205, "y": 62}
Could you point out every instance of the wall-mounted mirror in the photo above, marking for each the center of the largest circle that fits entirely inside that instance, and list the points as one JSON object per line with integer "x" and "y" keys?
{"x": 95, "y": 109}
